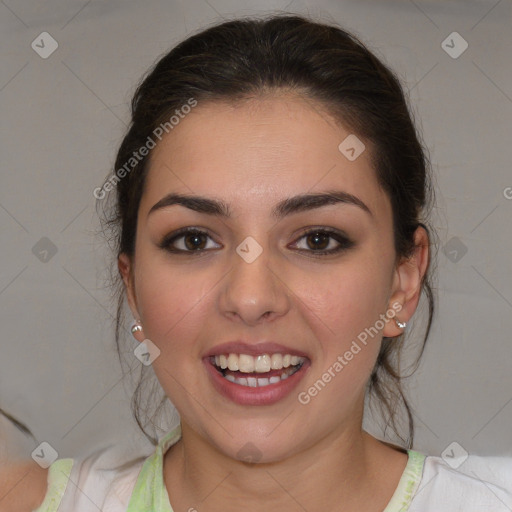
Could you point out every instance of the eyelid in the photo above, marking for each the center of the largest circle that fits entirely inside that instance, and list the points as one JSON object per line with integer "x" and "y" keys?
{"x": 325, "y": 229}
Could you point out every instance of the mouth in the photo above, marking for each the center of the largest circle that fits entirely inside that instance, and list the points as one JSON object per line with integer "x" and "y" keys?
{"x": 256, "y": 379}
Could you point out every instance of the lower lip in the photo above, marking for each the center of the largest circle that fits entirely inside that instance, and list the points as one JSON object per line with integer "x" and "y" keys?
{"x": 245, "y": 395}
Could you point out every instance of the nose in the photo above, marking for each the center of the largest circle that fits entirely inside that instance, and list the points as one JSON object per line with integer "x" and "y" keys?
{"x": 253, "y": 292}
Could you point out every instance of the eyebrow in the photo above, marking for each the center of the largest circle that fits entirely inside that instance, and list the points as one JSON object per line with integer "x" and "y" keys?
{"x": 291, "y": 205}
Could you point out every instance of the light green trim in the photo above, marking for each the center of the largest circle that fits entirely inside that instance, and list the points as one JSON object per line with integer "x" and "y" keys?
{"x": 58, "y": 477}
{"x": 150, "y": 493}
{"x": 408, "y": 484}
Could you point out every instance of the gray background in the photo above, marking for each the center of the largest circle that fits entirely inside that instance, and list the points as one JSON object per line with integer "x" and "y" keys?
{"x": 63, "y": 117}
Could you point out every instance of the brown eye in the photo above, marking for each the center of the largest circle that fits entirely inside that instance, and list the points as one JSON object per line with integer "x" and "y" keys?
{"x": 186, "y": 240}
{"x": 194, "y": 241}
{"x": 325, "y": 241}
{"x": 318, "y": 240}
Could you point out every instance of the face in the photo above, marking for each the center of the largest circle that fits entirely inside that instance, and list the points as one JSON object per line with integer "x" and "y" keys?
{"x": 305, "y": 283}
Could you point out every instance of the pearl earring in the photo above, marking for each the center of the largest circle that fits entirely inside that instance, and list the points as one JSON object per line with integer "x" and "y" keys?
{"x": 400, "y": 324}
{"x": 136, "y": 327}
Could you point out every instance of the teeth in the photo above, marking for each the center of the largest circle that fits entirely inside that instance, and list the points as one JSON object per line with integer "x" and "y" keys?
{"x": 252, "y": 382}
{"x": 260, "y": 382}
{"x": 276, "y": 361}
{"x": 245, "y": 363}
{"x": 233, "y": 362}
{"x": 260, "y": 364}
{"x": 295, "y": 360}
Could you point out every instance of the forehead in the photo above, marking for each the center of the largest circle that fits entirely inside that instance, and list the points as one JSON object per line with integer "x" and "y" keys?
{"x": 253, "y": 153}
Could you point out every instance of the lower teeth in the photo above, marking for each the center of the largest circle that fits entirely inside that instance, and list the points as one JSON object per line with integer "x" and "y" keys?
{"x": 253, "y": 382}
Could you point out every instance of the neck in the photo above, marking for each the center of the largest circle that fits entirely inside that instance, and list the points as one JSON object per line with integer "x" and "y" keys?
{"x": 343, "y": 467}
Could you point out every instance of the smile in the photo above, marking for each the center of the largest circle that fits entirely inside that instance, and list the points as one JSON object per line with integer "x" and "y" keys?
{"x": 244, "y": 369}
{"x": 256, "y": 380}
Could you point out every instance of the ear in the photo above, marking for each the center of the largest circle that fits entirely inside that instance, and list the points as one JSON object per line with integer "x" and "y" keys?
{"x": 125, "y": 266}
{"x": 407, "y": 283}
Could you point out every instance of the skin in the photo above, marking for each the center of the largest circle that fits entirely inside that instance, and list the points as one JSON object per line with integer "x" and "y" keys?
{"x": 23, "y": 485}
{"x": 252, "y": 155}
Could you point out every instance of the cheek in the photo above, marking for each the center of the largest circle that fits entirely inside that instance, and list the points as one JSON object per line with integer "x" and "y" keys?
{"x": 347, "y": 298}
{"x": 171, "y": 303}
{"x": 342, "y": 307}
{"x": 173, "y": 306}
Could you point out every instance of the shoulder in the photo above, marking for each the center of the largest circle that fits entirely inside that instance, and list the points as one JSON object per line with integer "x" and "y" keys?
{"x": 474, "y": 484}
{"x": 23, "y": 486}
{"x": 103, "y": 480}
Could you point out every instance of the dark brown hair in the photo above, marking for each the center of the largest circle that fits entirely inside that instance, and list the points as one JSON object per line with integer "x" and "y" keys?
{"x": 242, "y": 58}
{"x": 17, "y": 423}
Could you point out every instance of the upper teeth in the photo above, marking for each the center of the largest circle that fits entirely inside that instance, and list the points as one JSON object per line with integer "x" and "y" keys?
{"x": 261, "y": 364}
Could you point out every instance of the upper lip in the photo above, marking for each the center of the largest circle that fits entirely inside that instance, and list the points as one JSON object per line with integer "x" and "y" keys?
{"x": 253, "y": 349}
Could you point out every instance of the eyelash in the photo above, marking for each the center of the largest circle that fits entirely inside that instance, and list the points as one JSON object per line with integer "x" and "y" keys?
{"x": 345, "y": 242}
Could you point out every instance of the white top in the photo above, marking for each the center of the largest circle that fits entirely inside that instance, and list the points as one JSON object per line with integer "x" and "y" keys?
{"x": 428, "y": 484}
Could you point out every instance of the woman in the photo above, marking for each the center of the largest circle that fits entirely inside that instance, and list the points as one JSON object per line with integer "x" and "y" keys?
{"x": 271, "y": 217}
